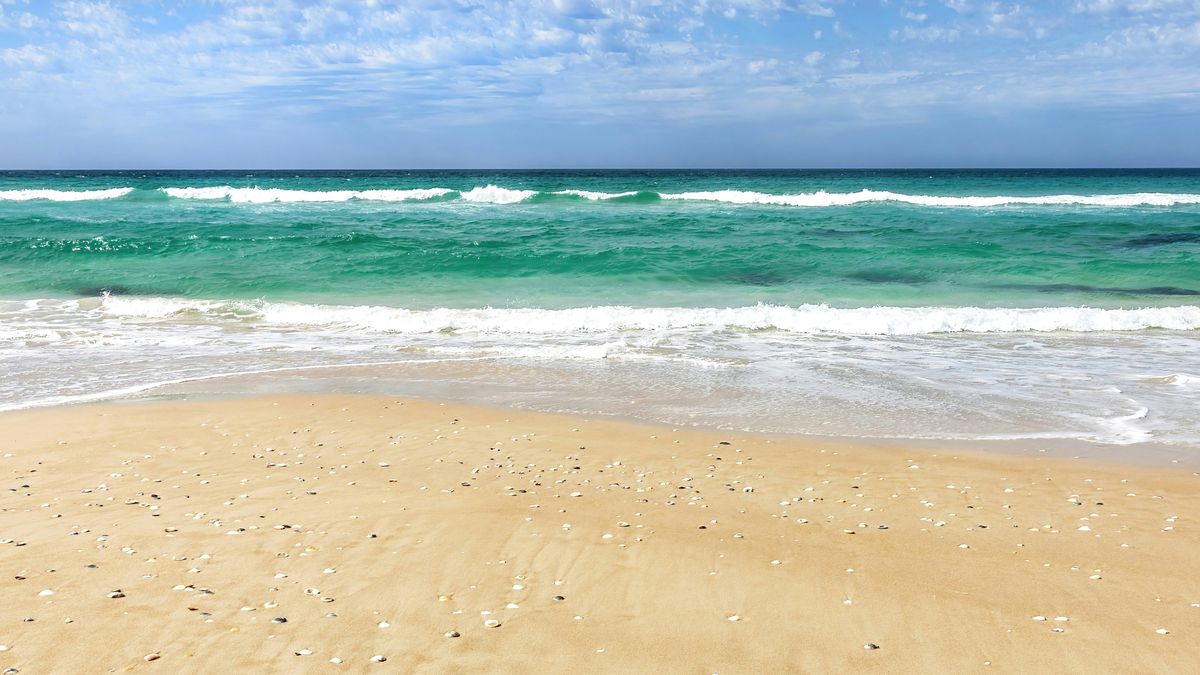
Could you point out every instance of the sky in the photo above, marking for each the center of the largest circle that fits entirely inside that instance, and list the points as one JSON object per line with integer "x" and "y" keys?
{"x": 599, "y": 83}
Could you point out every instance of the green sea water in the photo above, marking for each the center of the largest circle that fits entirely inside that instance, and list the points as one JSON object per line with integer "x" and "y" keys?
{"x": 556, "y": 250}
{"x": 917, "y": 304}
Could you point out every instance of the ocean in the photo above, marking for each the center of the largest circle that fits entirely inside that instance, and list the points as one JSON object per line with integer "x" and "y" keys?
{"x": 917, "y": 304}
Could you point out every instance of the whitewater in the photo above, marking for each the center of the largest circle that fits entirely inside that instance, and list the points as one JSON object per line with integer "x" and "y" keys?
{"x": 493, "y": 194}
{"x": 806, "y": 319}
{"x": 1034, "y": 304}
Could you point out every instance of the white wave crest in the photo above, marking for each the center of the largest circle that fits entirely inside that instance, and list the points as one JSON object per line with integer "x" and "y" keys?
{"x": 822, "y": 198}
{"x": 254, "y": 195}
{"x": 63, "y": 195}
{"x": 595, "y": 196}
{"x": 804, "y": 319}
{"x": 492, "y": 194}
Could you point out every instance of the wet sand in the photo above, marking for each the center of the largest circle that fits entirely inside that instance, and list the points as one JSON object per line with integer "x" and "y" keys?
{"x": 317, "y": 533}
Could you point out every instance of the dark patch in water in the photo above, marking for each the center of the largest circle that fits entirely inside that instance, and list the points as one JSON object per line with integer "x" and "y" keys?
{"x": 760, "y": 278}
{"x": 888, "y": 277}
{"x": 111, "y": 289}
{"x": 1163, "y": 239}
{"x": 1084, "y": 288}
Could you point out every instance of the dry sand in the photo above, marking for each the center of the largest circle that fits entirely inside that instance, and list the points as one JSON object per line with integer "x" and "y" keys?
{"x": 446, "y": 538}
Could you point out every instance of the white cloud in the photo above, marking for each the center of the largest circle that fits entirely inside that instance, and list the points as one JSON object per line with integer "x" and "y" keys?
{"x": 424, "y": 62}
{"x": 99, "y": 20}
{"x": 1134, "y": 6}
{"x": 926, "y": 33}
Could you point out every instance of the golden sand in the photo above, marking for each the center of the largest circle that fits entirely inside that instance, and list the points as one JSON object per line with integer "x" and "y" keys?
{"x": 447, "y": 538}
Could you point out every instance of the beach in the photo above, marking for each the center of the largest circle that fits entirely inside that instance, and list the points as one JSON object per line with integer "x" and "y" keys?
{"x": 310, "y": 532}
{"x": 711, "y": 338}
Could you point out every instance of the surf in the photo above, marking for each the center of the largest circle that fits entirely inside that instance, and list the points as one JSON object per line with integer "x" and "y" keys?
{"x": 807, "y": 319}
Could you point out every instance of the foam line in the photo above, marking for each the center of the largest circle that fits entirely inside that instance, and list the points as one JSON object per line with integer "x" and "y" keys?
{"x": 803, "y": 319}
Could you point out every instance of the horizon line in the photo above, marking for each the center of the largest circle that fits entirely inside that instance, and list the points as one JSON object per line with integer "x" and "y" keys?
{"x": 563, "y": 169}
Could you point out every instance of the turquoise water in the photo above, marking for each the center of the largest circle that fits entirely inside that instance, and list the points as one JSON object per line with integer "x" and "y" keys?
{"x": 886, "y": 291}
{"x": 563, "y": 250}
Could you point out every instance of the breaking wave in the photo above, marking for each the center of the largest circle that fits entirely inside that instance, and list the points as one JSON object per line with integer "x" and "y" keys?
{"x": 254, "y": 195}
{"x": 822, "y": 198}
{"x": 494, "y": 194}
{"x": 803, "y": 319}
{"x": 63, "y": 195}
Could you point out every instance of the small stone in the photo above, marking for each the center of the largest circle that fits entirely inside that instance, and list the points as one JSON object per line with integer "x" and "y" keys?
{"x": 1039, "y": 617}
{"x": 279, "y": 619}
{"x": 734, "y": 617}
{"x": 384, "y": 624}
{"x": 1162, "y": 631}
{"x": 559, "y": 598}
{"x": 42, "y": 594}
{"x": 335, "y": 660}
{"x": 379, "y": 658}
{"x": 303, "y": 652}
{"x": 453, "y": 634}
{"x": 116, "y": 594}
{"x": 151, "y": 657}
{"x": 870, "y": 646}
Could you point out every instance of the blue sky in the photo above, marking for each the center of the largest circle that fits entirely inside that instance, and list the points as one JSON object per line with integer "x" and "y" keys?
{"x": 599, "y": 83}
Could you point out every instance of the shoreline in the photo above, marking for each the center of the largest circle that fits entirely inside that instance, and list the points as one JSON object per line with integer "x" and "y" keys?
{"x": 383, "y": 526}
{"x": 257, "y": 384}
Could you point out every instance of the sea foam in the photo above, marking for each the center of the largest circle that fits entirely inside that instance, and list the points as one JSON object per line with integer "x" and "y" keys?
{"x": 822, "y": 198}
{"x": 255, "y": 195}
{"x": 595, "y": 196}
{"x": 494, "y": 194}
{"x": 803, "y": 319}
{"x": 63, "y": 195}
